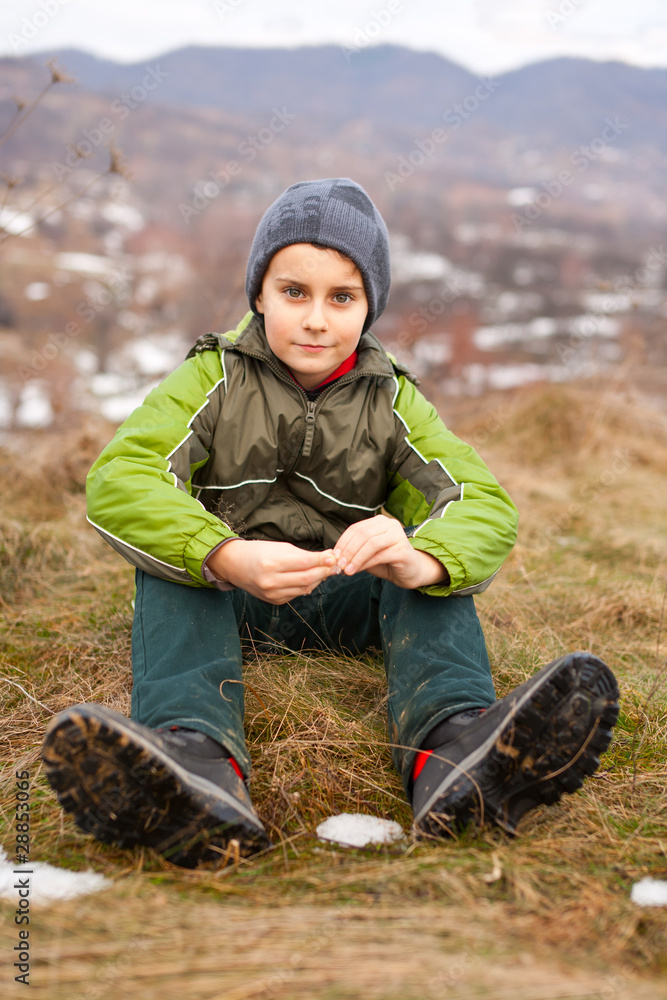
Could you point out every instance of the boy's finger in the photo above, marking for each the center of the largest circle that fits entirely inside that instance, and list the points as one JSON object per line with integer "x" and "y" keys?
{"x": 349, "y": 543}
{"x": 371, "y": 552}
{"x": 325, "y": 558}
{"x": 299, "y": 580}
{"x": 297, "y": 560}
{"x": 360, "y": 546}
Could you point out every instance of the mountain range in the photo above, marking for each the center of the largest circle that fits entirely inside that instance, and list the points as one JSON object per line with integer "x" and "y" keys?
{"x": 253, "y": 120}
{"x": 562, "y": 101}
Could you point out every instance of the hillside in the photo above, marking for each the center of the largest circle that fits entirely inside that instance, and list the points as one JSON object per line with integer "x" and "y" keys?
{"x": 547, "y": 915}
{"x": 491, "y": 126}
{"x": 557, "y": 102}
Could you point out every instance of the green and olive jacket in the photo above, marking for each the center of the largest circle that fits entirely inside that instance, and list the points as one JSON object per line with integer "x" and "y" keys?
{"x": 229, "y": 445}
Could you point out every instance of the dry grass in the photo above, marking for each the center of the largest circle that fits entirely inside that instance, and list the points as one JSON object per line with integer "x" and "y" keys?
{"x": 416, "y": 920}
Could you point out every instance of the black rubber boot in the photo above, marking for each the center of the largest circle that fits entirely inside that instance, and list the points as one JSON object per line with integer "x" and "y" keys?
{"x": 127, "y": 784}
{"x": 527, "y": 749}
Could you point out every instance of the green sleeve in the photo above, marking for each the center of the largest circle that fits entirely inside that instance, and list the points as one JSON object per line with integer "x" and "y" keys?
{"x": 139, "y": 490}
{"x": 440, "y": 487}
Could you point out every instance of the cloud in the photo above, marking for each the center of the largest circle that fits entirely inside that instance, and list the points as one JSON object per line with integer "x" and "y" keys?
{"x": 515, "y": 21}
{"x": 487, "y": 36}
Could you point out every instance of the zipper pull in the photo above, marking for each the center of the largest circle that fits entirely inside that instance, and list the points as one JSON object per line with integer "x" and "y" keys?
{"x": 310, "y": 429}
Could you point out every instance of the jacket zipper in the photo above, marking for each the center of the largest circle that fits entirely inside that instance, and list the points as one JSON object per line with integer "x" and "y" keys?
{"x": 310, "y": 429}
{"x": 311, "y": 405}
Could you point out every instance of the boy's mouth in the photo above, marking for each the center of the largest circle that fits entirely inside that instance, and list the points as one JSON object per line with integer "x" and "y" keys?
{"x": 312, "y": 348}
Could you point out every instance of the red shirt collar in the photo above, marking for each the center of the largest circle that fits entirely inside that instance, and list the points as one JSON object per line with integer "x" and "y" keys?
{"x": 342, "y": 369}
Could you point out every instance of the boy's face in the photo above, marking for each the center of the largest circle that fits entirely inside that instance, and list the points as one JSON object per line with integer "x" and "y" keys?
{"x": 314, "y": 306}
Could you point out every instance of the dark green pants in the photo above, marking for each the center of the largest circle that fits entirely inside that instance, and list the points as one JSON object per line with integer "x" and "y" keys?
{"x": 187, "y": 640}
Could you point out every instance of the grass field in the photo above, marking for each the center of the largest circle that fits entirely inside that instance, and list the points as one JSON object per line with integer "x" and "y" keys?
{"x": 547, "y": 915}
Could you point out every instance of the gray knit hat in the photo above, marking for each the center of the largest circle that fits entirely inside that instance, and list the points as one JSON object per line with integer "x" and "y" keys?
{"x": 337, "y": 213}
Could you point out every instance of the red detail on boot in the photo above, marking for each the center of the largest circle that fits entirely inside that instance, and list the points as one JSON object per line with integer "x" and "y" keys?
{"x": 236, "y": 768}
{"x": 420, "y": 760}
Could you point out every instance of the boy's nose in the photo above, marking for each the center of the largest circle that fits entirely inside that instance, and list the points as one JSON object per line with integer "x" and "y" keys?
{"x": 315, "y": 318}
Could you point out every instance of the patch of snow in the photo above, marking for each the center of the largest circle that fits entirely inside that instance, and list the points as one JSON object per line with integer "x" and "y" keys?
{"x": 488, "y": 338}
{"x": 478, "y": 378}
{"x": 461, "y": 282}
{"x": 37, "y": 290}
{"x": 34, "y": 409}
{"x": 14, "y": 222}
{"x": 521, "y": 196}
{"x": 510, "y": 376}
{"x": 434, "y": 351}
{"x": 533, "y": 237}
{"x": 649, "y": 892}
{"x": 172, "y": 268}
{"x": 86, "y": 362}
{"x": 123, "y": 215}
{"x": 358, "y": 830}
{"x": 85, "y": 263}
{"x": 146, "y": 291}
{"x": 510, "y": 303}
{"x": 110, "y": 384}
{"x": 474, "y": 377}
{"x": 418, "y": 265}
{"x": 150, "y": 358}
{"x": 592, "y": 325}
{"x": 408, "y": 264}
{"x": 607, "y": 302}
{"x": 473, "y": 232}
{"x": 47, "y": 883}
{"x": 543, "y": 326}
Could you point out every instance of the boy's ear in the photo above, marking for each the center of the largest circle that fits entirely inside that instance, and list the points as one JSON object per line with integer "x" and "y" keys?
{"x": 259, "y": 305}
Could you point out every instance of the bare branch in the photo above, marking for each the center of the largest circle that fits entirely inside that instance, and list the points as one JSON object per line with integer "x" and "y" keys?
{"x": 57, "y": 76}
{"x": 115, "y": 167}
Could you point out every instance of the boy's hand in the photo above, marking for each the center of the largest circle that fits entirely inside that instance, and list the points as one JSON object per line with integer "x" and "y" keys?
{"x": 380, "y": 546}
{"x": 276, "y": 572}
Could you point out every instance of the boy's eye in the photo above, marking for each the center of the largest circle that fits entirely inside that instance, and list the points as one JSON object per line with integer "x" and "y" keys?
{"x": 342, "y": 297}
{"x": 293, "y": 293}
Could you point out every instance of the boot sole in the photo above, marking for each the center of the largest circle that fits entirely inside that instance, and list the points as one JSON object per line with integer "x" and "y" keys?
{"x": 544, "y": 747}
{"x": 124, "y": 790}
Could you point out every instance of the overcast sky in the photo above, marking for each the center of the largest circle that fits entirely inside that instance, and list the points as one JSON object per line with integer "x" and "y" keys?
{"x": 486, "y": 36}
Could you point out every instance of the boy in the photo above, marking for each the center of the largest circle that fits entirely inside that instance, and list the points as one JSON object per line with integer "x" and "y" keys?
{"x": 247, "y": 491}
